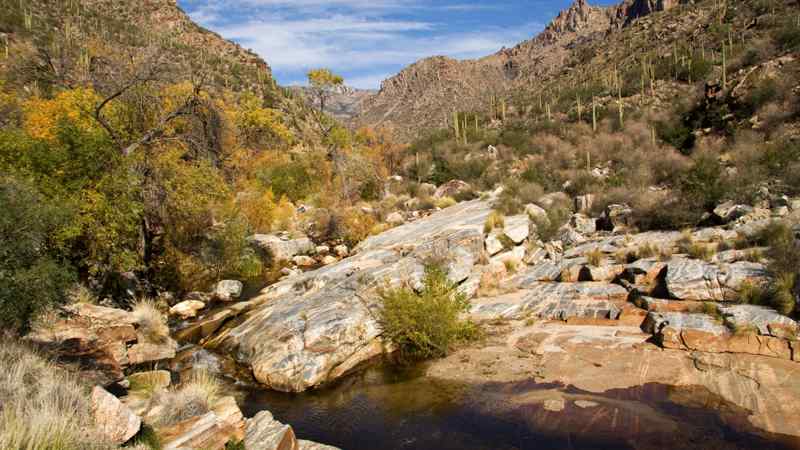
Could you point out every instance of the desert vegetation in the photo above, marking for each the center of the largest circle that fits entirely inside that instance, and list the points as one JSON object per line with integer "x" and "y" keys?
{"x": 427, "y": 323}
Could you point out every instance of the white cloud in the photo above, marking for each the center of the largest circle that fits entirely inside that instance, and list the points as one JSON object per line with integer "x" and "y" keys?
{"x": 367, "y": 47}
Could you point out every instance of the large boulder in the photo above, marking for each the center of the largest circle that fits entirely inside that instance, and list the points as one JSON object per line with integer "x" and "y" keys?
{"x": 115, "y": 421}
{"x": 728, "y": 212}
{"x": 228, "y": 290}
{"x": 206, "y": 432}
{"x": 451, "y": 189}
{"x": 517, "y": 228}
{"x": 689, "y": 279}
{"x": 316, "y": 326}
{"x": 187, "y": 309}
{"x": 616, "y": 218}
{"x": 263, "y": 432}
{"x": 281, "y": 247}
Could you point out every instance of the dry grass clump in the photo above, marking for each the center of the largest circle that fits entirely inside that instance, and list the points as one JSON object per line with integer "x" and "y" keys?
{"x": 495, "y": 221}
{"x": 512, "y": 265}
{"x": 152, "y": 323}
{"x": 696, "y": 250}
{"x": 42, "y": 406}
{"x": 445, "y": 202}
{"x": 595, "y": 257}
{"x": 194, "y": 397}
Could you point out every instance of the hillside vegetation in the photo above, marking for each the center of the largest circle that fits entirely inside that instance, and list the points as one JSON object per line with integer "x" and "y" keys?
{"x": 134, "y": 145}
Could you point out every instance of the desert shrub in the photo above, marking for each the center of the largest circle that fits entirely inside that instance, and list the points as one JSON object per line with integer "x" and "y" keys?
{"x": 32, "y": 275}
{"x": 764, "y": 92}
{"x": 445, "y": 202}
{"x": 677, "y": 134}
{"x": 547, "y": 229}
{"x": 426, "y": 324}
{"x": 582, "y": 183}
{"x": 351, "y": 225}
{"x": 784, "y": 256}
{"x": 703, "y": 185}
{"x": 516, "y": 195}
{"x": 595, "y": 257}
{"x": 44, "y": 407}
{"x": 544, "y": 175}
{"x": 80, "y": 294}
{"x": 787, "y": 36}
{"x": 292, "y": 179}
{"x": 647, "y": 251}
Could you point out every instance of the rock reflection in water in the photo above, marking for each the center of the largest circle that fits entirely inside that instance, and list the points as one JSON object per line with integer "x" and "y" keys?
{"x": 384, "y": 408}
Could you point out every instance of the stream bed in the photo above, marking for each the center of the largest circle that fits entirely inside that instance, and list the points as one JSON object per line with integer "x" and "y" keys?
{"x": 385, "y": 407}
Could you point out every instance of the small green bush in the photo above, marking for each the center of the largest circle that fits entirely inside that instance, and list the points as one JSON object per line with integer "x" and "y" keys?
{"x": 676, "y": 134}
{"x": 548, "y": 229}
{"x": 292, "y": 179}
{"x": 516, "y": 194}
{"x": 426, "y": 324}
{"x": 787, "y": 36}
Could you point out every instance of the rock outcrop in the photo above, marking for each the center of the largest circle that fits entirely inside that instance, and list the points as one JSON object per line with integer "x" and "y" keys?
{"x": 102, "y": 341}
{"x": 115, "y": 421}
{"x": 314, "y": 327}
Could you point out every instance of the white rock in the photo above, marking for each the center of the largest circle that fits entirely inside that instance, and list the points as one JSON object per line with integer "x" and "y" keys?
{"x": 228, "y": 290}
{"x": 187, "y": 309}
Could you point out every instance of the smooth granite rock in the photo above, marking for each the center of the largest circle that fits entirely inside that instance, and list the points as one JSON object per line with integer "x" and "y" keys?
{"x": 309, "y": 329}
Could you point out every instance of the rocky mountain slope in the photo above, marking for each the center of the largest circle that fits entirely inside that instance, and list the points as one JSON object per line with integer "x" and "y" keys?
{"x": 344, "y": 104}
{"x": 426, "y": 93}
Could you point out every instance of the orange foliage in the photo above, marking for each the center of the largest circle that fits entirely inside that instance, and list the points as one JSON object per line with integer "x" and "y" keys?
{"x": 41, "y": 116}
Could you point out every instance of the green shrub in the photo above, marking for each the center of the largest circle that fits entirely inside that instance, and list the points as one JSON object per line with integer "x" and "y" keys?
{"x": 703, "y": 185}
{"x": 292, "y": 179}
{"x": 676, "y": 134}
{"x": 426, "y": 324}
{"x": 516, "y": 195}
{"x": 547, "y": 229}
{"x": 32, "y": 276}
{"x": 787, "y": 36}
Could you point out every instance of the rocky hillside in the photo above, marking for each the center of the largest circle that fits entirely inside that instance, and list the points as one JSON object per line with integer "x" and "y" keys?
{"x": 345, "y": 104}
{"x": 426, "y": 93}
{"x": 96, "y": 24}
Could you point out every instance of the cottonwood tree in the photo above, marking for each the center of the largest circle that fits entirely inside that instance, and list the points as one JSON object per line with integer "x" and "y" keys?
{"x": 323, "y": 84}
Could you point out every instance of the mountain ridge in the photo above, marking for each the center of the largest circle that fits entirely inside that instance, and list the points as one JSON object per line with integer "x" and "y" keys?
{"x": 426, "y": 92}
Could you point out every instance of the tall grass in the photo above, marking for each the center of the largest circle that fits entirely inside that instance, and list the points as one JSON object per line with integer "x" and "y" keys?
{"x": 194, "y": 397}
{"x": 42, "y": 406}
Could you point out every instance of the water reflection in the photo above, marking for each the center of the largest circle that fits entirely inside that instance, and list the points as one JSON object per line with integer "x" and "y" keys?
{"x": 387, "y": 408}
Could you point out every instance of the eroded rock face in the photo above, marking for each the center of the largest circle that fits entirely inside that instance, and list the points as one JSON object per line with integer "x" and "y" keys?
{"x": 103, "y": 341}
{"x": 702, "y": 332}
{"x": 314, "y": 327}
{"x": 554, "y": 301}
{"x": 263, "y": 432}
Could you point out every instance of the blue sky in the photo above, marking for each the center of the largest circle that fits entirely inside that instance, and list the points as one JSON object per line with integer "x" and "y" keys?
{"x": 367, "y": 41}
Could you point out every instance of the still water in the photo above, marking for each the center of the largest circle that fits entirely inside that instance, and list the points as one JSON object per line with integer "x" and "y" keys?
{"x": 385, "y": 408}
